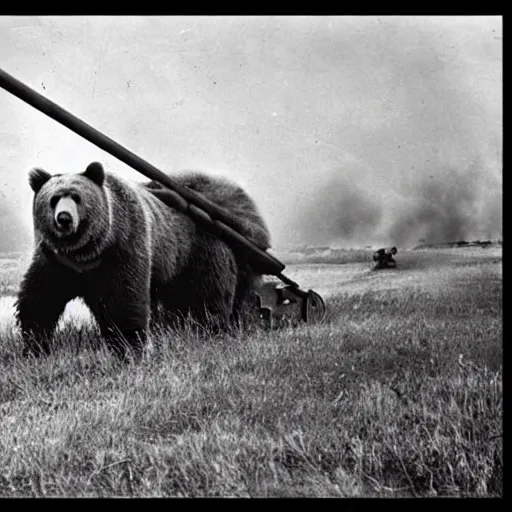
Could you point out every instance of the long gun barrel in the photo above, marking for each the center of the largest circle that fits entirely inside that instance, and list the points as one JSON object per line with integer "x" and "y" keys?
{"x": 196, "y": 206}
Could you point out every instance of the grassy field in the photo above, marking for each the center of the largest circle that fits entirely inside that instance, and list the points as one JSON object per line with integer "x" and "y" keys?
{"x": 397, "y": 393}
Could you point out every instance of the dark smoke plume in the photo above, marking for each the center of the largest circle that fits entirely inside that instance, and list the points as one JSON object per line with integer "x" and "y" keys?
{"x": 443, "y": 210}
{"x": 342, "y": 210}
{"x": 444, "y": 206}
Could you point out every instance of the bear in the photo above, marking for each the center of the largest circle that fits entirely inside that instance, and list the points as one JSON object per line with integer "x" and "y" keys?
{"x": 126, "y": 253}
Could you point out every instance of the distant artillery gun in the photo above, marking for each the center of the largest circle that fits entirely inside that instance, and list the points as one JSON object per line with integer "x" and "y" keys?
{"x": 384, "y": 258}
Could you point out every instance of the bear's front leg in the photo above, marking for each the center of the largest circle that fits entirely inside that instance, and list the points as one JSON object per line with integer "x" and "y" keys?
{"x": 42, "y": 297}
{"x": 123, "y": 311}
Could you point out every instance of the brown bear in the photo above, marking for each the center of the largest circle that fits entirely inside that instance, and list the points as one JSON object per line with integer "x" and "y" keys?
{"x": 122, "y": 250}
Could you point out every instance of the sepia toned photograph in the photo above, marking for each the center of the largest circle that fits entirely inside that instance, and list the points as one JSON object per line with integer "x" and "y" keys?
{"x": 251, "y": 256}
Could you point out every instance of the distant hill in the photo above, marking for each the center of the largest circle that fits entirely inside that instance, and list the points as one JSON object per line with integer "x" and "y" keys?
{"x": 460, "y": 243}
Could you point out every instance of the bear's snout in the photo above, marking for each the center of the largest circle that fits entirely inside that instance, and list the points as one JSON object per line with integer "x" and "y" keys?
{"x": 64, "y": 219}
{"x": 66, "y": 215}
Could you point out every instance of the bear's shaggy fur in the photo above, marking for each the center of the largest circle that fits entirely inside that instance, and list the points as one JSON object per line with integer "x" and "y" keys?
{"x": 244, "y": 216}
{"x": 229, "y": 196}
{"x": 122, "y": 250}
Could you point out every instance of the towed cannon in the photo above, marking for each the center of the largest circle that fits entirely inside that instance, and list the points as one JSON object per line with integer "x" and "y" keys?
{"x": 384, "y": 258}
{"x": 275, "y": 304}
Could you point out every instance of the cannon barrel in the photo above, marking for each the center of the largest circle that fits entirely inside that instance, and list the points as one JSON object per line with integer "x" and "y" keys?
{"x": 199, "y": 208}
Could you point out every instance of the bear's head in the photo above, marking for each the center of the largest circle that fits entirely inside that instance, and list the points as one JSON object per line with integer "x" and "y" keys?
{"x": 71, "y": 211}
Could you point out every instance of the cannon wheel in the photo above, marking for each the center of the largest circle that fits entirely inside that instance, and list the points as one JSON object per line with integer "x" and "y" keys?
{"x": 314, "y": 307}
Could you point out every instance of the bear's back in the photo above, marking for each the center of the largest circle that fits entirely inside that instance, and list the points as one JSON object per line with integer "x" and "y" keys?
{"x": 230, "y": 197}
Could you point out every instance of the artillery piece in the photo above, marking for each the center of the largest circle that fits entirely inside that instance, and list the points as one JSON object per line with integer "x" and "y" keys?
{"x": 384, "y": 258}
{"x": 274, "y": 304}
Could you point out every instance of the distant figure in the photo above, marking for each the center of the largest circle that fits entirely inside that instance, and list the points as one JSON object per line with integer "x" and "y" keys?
{"x": 384, "y": 258}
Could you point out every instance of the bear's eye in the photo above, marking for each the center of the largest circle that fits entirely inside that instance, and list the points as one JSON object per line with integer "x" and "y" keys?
{"x": 53, "y": 201}
{"x": 75, "y": 198}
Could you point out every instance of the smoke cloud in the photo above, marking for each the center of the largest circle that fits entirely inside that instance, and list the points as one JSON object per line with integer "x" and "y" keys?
{"x": 443, "y": 210}
{"x": 338, "y": 210}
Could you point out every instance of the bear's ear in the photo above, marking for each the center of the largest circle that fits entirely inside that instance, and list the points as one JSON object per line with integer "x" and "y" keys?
{"x": 37, "y": 178}
{"x": 96, "y": 173}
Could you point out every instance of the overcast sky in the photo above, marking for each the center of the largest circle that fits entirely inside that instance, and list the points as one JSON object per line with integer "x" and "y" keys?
{"x": 347, "y": 131}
